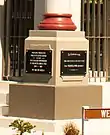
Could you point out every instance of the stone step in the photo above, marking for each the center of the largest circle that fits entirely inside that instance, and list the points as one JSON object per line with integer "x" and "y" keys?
{"x": 4, "y": 86}
{"x": 4, "y": 108}
{"x": 4, "y": 98}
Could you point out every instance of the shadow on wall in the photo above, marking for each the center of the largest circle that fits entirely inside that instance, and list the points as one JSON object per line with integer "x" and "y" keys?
{"x": 1, "y": 37}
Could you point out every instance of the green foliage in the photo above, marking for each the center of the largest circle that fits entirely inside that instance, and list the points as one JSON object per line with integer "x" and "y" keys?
{"x": 71, "y": 129}
{"x": 22, "y": 126}
{"x": 42, "y": 132}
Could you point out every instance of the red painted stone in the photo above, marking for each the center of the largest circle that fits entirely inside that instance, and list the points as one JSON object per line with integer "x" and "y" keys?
{"x": 53, "y": 21}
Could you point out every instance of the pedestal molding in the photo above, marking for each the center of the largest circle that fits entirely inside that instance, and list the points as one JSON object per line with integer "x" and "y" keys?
{"x": 54, "y": 21}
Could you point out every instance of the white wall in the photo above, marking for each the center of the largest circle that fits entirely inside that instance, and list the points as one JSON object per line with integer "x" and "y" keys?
{"x": 1, "y": 2}
{"x": 76, "y": 13}
{"x": 105, "y": 93}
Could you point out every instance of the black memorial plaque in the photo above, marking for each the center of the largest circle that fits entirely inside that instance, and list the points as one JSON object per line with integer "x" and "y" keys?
{"x": 73, "y": 63}
{"x": 39, "y": 61}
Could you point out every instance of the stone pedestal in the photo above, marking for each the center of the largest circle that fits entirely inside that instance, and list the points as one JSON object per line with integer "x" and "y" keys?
{"x": 56, "y": 57}
{"x": 56, "y": 69}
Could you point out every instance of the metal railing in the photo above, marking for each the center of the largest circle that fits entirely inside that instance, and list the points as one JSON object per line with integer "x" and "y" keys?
{"x": 18, "y": 18}
{"x": 94, "y": 23}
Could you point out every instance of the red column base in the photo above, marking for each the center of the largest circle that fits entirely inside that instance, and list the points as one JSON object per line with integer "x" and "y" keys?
{"x": 53, "y": 21}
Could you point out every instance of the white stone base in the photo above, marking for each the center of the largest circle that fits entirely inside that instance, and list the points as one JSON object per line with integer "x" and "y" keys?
{"x": 96, "y": 78}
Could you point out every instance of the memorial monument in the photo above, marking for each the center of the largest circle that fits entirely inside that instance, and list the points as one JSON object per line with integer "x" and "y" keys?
{"x": 56, "y": 54}
{"x": 56, "y": 59}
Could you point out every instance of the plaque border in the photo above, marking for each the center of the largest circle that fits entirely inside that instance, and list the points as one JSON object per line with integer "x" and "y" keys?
{"x": 42, "y": 73}
{"x": 63, "y": 74}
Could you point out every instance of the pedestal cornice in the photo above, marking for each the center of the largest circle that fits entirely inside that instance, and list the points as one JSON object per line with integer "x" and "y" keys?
{"x": 54, "y": 21}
